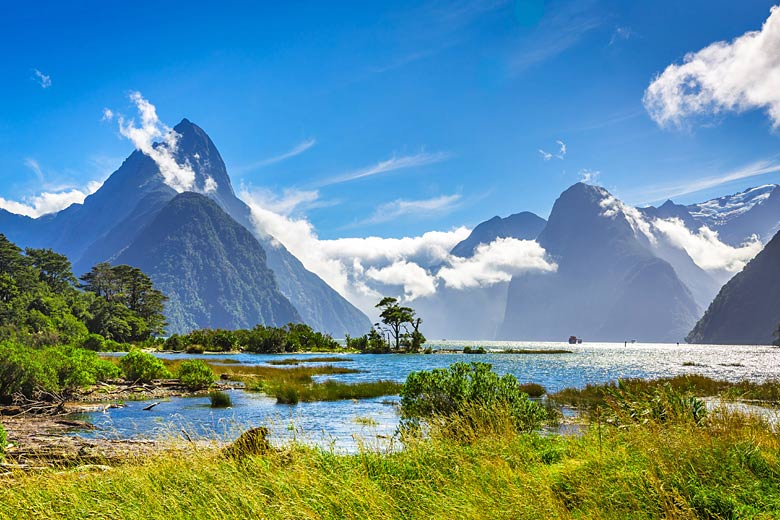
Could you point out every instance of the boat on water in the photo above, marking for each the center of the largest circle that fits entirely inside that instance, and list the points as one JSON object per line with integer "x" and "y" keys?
{"x": 574, "y": 340}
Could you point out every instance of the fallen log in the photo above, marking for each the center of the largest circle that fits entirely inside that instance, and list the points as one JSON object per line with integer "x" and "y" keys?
{"x": 147, "y": 408}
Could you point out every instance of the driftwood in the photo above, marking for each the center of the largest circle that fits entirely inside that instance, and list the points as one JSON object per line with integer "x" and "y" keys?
{"x": 41, "y": 403}
{"x": 147, "y": 408}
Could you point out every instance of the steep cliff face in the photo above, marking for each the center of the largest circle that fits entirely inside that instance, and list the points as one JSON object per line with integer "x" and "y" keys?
{"x": 211, "y": 268}
{"x": 746, "y": 311}
{"x": 609, "y": 285}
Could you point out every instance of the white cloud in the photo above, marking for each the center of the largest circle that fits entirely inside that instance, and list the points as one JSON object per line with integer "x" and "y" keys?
{"x": 589, "y": 176}
{"x": 177, "y": 176}
{"x": 108, "y": 114}
{"x": 392, "y": 164}
{"x": 210, "y": 185}
{"x": 706, "y": 249}
{"x": 621, "y": 34}
{"x": 560, "y": 155}
{"x": 361, "y": 269}
{"x": 35, "y": 167}
{"x": 49, "y": 202}
{"x": 43, "y": 80}
{"x": 494, "y": 263}
{"x": 296, "y": 150}
{"x": 415, "y": 280}
{"x": 290, "y": 201}
{"x": 735, "y": 76}
{"x": 424, "y": 207}
{"x": 615, "y": 208}
{"x": 561, "y": 149}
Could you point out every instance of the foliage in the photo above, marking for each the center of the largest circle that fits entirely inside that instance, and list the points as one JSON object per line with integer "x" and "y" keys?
{"x": 728, "y": 468}
{"x": 395, "y": 318}
{"x": 293, "y": 337}
{"x": 371, "y": 343}
{"x": 49, "y": 370}
{"x": 292, "y": 392}
{"x": 696, "y": 385}
{"x": 3, "y": 441}
{"x": 41, "y": 305}
{"x": 195, "y": 374}
{"x": 663, "y": 405}
{"x": 128, "y": 307}
{"x": 220, "y": 399}
{"x": 143, "y": 367}
{"x": 475, "y": 350}
{"x": 449, "y": 392}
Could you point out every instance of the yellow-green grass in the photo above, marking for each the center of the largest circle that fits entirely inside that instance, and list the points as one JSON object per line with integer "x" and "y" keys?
{"x": 729, "y": 467}
{"x": 292, "y": 392}
{"x": 298, "y": 361}
{"x": 767, "y": 392}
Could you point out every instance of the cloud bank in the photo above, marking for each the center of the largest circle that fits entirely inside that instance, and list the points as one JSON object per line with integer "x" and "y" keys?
{"x": 735, "y": 76}
{"x": 49, "y": 202}
{"x": 362, "y": 269}
{"x": 703, "y": 246}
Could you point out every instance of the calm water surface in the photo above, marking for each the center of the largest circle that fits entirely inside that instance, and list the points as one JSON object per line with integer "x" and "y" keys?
{"x": 343, "y": 424}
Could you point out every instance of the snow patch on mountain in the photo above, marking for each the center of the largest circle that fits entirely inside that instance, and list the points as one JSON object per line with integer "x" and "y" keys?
{"x": 718, "y": 211}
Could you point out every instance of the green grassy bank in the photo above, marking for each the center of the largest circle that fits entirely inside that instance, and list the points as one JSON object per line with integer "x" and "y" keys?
{"x": 727, "y": 466}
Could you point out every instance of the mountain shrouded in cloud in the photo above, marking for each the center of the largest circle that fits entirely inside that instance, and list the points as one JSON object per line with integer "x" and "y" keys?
{"x": 609, "y": 285}
{"x": 746, "y": 311}
{"x": 459, "y": 280}
{"x": 119, "y": 213}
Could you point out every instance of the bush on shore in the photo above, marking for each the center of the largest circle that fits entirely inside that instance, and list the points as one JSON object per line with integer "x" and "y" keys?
{"x": 463, "y": 387}
{"x": 142, "y": 367}
{"x": 195, "y": 374}
{"x": 29, "y": 371}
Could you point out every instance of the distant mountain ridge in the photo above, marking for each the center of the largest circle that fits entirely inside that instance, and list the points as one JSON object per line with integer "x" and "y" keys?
{"x": 113, "y": 218}
{"x": 522, "y": 226}
{"x": 609, "y": 285}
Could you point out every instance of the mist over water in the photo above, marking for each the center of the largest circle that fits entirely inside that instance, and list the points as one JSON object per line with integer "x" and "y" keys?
{"x": 343, "y": 424}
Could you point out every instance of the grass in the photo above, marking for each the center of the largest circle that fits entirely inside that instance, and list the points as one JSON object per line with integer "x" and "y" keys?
{"x": 298, "y": 361}
{"x": 293, "y": 392}
{"x": 702, "y": 386}
{"x": 728, "y": 467}
{"x": 220, "y": 399}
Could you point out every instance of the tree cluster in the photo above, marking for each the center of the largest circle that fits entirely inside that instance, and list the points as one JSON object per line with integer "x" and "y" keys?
{"x": 399, "y": 330}
{"x": 293, "y": 337}
{"x": 42, "y": 303}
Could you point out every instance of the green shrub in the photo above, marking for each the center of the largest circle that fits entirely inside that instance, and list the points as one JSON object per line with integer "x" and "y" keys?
{"x": 143, "y": 367}
{"x": 475, "y": 350}
{"x": 94, "y": 342}
{"x": 29, "y": 370}
{"x": 195, "y": 349}
{"x": 195, "y": 374}
{"x": 220, "y": 399}
{"x": 461, "y": 387}
{"x": 174, "y": 343}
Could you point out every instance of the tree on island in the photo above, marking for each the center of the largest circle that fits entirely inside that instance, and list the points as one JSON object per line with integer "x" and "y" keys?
{"x": 401, "y": 323}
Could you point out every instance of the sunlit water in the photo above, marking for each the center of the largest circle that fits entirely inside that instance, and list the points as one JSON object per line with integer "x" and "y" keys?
{"x": 343, "y": 424}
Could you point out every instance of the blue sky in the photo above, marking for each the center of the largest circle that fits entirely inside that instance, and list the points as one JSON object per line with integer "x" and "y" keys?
{"x": 390, "y": 119}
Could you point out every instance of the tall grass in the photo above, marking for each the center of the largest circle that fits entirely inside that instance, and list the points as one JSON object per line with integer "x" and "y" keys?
{"x": 726, "y": 467}
{"x": 767, "y": 392}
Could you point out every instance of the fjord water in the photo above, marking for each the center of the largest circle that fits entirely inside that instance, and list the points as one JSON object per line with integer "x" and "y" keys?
{"x": 342, "y": 424}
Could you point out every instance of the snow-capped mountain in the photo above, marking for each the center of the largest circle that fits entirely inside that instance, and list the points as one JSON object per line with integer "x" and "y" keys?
{"x": 717, "y": 212}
